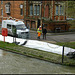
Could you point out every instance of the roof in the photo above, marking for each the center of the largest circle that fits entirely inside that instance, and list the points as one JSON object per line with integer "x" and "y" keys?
{"x": 13, "y": 22}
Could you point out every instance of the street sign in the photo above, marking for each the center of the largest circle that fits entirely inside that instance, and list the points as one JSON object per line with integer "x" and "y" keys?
{"x": 4, "y": 32}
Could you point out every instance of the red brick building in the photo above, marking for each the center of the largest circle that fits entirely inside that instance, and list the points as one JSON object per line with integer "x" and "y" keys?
{"x": 51, "y": 14}
{"x": 11, "y": 8}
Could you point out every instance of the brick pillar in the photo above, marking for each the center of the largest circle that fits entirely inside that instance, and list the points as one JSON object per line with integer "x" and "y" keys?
{"x": 36, "y": 24}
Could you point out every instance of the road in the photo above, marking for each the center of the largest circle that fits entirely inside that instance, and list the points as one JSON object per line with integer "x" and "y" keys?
{"x": 55, "y": 37}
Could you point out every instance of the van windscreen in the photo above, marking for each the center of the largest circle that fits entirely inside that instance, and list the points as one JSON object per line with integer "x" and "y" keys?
{"x": 22, "y": 26}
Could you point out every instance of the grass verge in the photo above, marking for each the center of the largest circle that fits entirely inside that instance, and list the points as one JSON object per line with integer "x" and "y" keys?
{"x": 39, "y": 54}
{"x": 67, "y": 44}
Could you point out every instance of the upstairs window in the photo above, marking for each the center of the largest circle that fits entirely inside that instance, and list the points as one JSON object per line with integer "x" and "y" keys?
{"x": 31, "y": 9}
{"x": 61, "y": 10}
{"x": 21, "y": 9}
{"x": 7, "y": 8}
{"x": 1, "y": 1}
{"x": 36, "y": 10}
{"x": 1, "y": 11}
{"x": 21, "y": 12}
{"x": 57, "y": 8}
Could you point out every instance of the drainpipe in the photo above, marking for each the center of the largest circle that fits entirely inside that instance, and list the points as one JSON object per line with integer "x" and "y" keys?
{"x": 2, "y": 11}
{"x": 24, "y": 11}
{"x": 13, "y": 8}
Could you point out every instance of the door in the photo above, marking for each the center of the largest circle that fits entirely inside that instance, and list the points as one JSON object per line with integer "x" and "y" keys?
{"x": 9, "y": 29}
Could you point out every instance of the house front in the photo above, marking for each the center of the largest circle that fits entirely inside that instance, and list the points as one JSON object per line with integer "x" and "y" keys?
{"x": 51, "y": 14}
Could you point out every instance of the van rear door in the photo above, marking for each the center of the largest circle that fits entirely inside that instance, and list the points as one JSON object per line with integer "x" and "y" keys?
{"x": 9, "y": 27}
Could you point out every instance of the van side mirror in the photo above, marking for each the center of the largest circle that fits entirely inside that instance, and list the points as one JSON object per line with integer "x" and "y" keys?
{"x": 14, "y": 30}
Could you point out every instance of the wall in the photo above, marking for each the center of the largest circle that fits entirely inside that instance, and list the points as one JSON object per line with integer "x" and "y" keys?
{"x": 14, "y": 9}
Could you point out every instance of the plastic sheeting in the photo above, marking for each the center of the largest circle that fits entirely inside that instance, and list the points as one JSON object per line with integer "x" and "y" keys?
{"x": 39, "y": 45}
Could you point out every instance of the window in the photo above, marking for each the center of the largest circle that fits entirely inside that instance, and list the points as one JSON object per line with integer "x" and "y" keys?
{"x": 57, "y": 8}
{"x": 35, "y": 7}
{"x": 36, "y": 10}
{"x": 8, "y": 26}
{"x": 21, "y": 9}
{"x": 1, "y": 11}
{"x": 61, "y": 10}
{"x": 31, "y": 9}
{"x": 21, "y": 26}
{"x": 7, "y": 8}
{"x": 1, "y": 1}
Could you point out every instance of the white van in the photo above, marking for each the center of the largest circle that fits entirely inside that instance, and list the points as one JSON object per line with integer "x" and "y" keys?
{"x": 21, "y": 29}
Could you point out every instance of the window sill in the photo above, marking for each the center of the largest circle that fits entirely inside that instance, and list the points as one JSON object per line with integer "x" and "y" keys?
{"x": 21, "y": 15}
{"x": 30, "y": 15}
{"x": 60, "y": 15}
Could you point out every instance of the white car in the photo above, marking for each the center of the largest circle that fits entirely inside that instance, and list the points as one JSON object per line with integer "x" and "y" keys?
{"x": 21, "y": 29}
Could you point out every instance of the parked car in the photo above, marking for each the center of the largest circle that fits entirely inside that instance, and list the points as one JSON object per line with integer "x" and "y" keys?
{"x": 21, "y": 30}
{"x": 70, "y": 19}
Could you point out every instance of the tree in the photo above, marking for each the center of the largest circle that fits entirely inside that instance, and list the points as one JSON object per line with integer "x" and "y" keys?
{"x": 71, "y": 9}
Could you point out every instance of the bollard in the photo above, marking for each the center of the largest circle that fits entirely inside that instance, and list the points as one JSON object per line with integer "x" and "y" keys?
{"x": 63, "y": 54}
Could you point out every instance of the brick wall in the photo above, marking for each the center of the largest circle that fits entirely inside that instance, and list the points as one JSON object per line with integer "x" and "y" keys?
{"x": 48, "y": 11}
{"x": 14, "y": 9}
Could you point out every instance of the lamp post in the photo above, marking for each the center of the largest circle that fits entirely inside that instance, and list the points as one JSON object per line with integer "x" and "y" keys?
{"x": 41, "y": 13}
